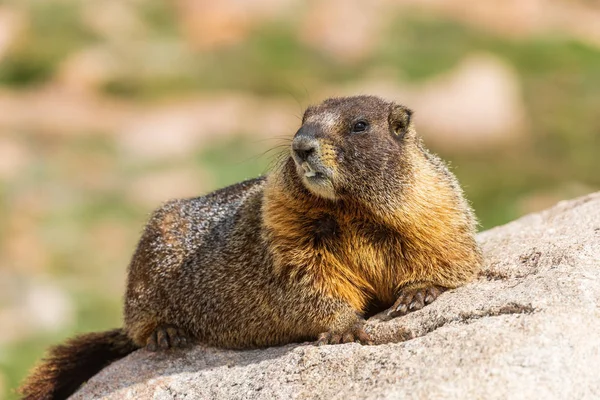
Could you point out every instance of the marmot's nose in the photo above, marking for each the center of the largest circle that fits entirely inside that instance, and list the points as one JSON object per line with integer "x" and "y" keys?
{"x": 303, "y": 154}
{"x": 303, "y": 147}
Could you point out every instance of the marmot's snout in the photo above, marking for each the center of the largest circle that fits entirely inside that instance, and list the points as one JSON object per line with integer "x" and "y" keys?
{"x": 306, "y": 151}
{"x": 304, "y": 147}
{"x": 308, "y": 156}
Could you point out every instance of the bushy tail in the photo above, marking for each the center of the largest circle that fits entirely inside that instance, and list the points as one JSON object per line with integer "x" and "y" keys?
{"x": 69, "y": 365}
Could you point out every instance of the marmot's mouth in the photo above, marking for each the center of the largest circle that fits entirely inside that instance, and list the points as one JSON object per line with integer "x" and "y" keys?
{"x": 310, "y": 172}
{"x": 314, "y": 175}
{"x": 317, "y": 180}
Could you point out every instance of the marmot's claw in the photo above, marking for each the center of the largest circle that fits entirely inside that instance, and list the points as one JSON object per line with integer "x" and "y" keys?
{"x": 355, "y": 334}
{"x": 165, "y": 337}
{"x": 414, "y": 299}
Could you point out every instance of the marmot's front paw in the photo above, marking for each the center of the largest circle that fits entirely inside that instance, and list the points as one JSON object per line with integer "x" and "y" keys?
{"x": 355, "y": 334}
{"x": 414, "y": 299}
{"x": 165, "y": 337}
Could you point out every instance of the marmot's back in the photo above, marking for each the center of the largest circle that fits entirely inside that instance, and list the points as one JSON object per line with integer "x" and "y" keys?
{"x": 184, "y": 253}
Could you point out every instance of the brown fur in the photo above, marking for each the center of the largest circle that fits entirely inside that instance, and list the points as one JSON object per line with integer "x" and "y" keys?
{"x": 68, "y": 365}
{"x": 353, "y": 219}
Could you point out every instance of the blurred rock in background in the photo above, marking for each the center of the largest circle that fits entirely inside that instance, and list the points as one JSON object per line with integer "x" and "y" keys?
{"x": 344, "y": 30}
{"x": 208, "y": 25}
{"x": 48, "y": 310}
{"x": 522, "y": 18}
{"x": 11, "y": 24}
{"x": 109, "y": 108}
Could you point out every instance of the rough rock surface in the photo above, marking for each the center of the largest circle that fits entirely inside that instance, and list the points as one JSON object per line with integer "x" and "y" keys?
{"x": 527, "y": 328}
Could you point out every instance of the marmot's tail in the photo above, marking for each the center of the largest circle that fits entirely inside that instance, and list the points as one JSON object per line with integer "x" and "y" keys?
{"x": 69, "y": 365}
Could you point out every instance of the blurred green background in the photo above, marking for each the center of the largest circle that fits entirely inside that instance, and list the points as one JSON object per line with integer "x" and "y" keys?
{"x": 110, "y": 107}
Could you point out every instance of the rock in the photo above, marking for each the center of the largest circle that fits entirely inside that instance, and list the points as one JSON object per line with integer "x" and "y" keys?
{"x": 166, "y": 129}
{"x": 519, "y": 18}
{"x": 58, "y": 111}
{"x": 114, "y": 20}
{"x": 14, "y": 157}
{"x": 154, "y": 188}
{"x": 477, "y": 104}
{"x": 344, "y": 30}
{"x": 177, "y": 129}
{"x": 210, "y": 25}
{"x": 528, "y": 326}
{"x": 22, "y": 229}
{"x": 87, "y": 70}
{"x": 12, "y": 25}
{"x": 47, "y": 307}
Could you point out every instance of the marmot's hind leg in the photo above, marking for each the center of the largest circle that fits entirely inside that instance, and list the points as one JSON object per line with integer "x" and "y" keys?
{"x": 166, "y": 337}
{"x": 355, "y": 334}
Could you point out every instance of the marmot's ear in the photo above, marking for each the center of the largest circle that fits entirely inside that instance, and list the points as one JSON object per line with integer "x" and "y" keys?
{"x": 400, "y": 120}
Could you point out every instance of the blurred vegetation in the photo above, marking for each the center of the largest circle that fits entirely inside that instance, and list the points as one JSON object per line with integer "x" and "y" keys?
{"x": 560, "y": 79}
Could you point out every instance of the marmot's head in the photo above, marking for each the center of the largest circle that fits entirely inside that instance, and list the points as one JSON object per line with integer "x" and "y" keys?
{"x": 352, "y": 146}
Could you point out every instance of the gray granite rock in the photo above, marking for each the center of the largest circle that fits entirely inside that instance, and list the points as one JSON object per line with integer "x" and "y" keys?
{"x": 529, "y": 327}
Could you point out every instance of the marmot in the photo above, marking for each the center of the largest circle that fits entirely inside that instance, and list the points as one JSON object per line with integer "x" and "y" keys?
{"x": 359, "y": 217}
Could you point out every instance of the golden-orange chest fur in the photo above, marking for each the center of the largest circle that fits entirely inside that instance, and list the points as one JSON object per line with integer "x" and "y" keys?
{"x": 370, "y": 256}
{"x": 355, "y": 260}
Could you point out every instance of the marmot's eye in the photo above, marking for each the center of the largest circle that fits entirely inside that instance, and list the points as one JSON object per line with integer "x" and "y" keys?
{"x": 360, "y": 126}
